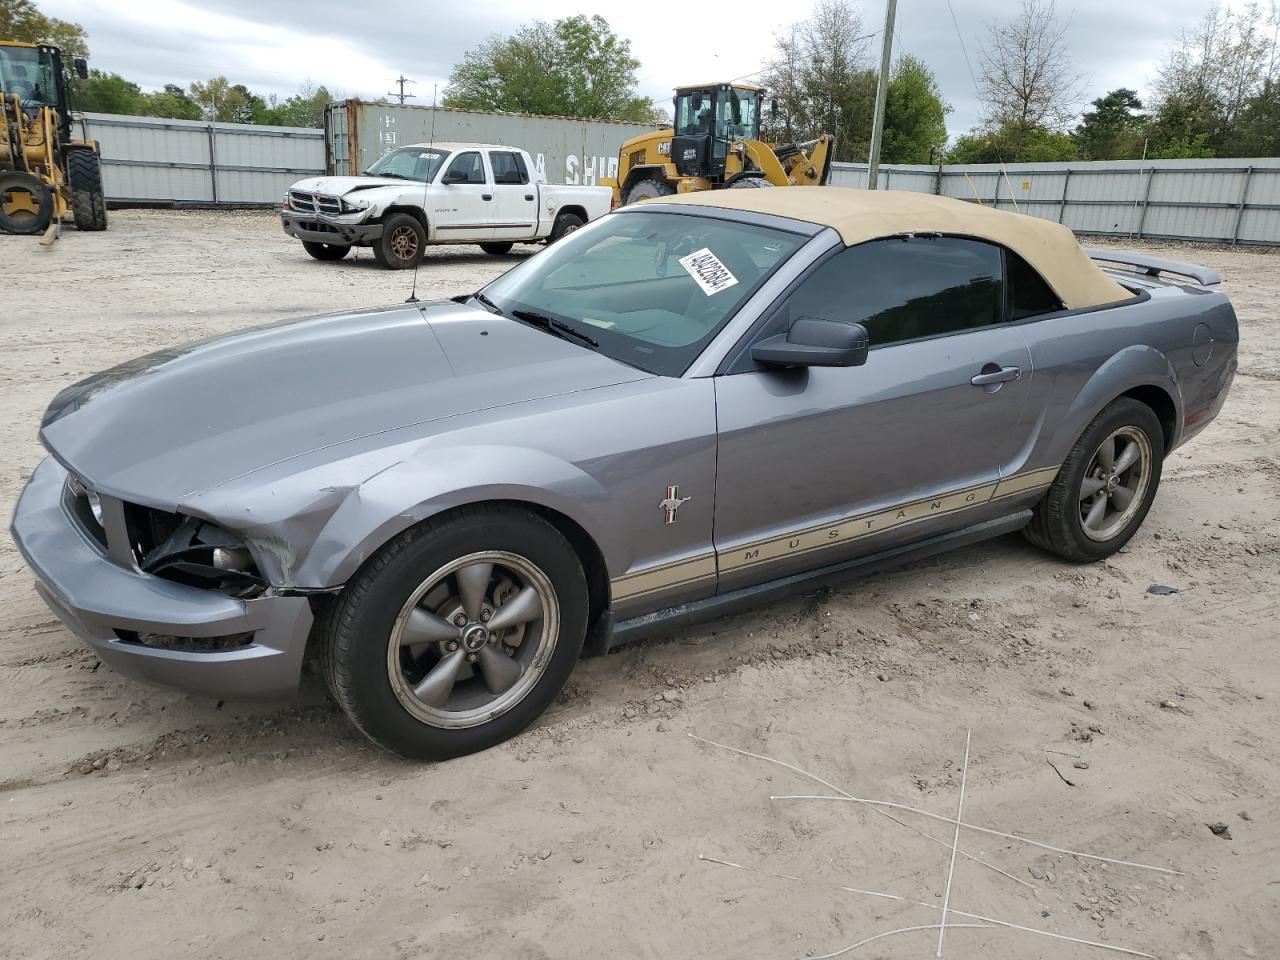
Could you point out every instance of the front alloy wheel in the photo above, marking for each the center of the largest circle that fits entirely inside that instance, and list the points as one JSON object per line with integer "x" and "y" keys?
{"x": 472, "y": 639}
{"x": 458, "y": 633}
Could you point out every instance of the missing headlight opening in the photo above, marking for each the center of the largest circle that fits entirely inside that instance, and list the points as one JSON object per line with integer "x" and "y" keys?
{"x": 191, "y": 551}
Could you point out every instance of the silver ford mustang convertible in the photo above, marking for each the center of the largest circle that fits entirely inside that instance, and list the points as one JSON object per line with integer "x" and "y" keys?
{"x": 689, "y": 405}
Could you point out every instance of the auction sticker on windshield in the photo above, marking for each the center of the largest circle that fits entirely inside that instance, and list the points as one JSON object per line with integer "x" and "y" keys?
{"x": 707, "y": 271}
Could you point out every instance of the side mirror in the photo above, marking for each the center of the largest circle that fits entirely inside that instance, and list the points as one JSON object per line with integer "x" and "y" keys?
{"x": 454, "y": 176}
{"x": 81, "y": 66}
{"x": 815, "y": 343}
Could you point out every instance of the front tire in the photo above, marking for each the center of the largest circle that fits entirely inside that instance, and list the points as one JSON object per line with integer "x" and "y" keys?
{"x": 402, "y": 243}
{"x": 410, "y": 648}
{"x": 88, "y": 201}
{"x": 326, "y": 251}
{"x": 496, "y": 249}
{"x": 1105, "y": 487}
{"x": 26, "y": 204}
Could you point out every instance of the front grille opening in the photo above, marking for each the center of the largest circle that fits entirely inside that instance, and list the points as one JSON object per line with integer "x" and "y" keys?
{"x": 165, "y": 641}
{"x": 192, "y": 552}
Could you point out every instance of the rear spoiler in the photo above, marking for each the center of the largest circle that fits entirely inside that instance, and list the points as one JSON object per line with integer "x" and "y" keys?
{"x": 1154, "y": 266}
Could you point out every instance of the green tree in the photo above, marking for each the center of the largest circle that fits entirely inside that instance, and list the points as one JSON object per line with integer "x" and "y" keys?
{"x": 914, "y": 114}
{"x": 219, "y": 100}
{"x": 1012, "y": 143}
{"x": 171, "y": 102}
{"x": 22, "y": 20}
{"x": 575, "y": 66}
{"x": 1112, "y": 130}
{"x": 104, "y": 92}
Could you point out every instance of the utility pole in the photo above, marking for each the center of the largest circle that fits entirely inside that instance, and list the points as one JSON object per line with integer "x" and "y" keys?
{"x": 882, "y": 92}
{"x": 402, "y": 80}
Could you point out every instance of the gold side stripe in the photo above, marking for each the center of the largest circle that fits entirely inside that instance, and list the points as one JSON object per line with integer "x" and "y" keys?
{"x": 683, "y": 572}
{"x": 1025, "y": 481}
{"x": 667, "y": 575}
{"x": 855, "y": 528}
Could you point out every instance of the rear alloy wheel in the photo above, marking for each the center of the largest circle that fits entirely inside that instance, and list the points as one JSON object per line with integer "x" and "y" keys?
{"x": 496, "y": 248}
{"x": 26, "y": 205}
{"x": 402, "y": 242}
{"x": 458, "y": 634}
{"x": 326, "y": 251}
{"x": 1105, "y": 487}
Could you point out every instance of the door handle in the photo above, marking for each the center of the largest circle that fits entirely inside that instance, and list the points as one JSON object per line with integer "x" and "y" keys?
{"x": 486, "y": 196}
{"x": 528, "y": 196}
{"x": 991, "y": 374}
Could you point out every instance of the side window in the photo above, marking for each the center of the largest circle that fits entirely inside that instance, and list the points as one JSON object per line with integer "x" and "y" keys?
{"x": 507, "y": 167}
{"x": 905, "y": 289}
{"x": 470, "y": 164}
{"x": 1029, "y": 295}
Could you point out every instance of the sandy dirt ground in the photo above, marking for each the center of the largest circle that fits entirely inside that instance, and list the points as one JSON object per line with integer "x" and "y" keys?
{"x": 139, "y": 823}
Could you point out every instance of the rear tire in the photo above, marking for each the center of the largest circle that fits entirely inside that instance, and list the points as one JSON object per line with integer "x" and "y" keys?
{"x": 649, "y": 190}
{"x": 396, "y": 642}
{"x": 26, "y": 204}
{"x": 1092, "y": 509}
{"x": 497, "y": 249}
{"x": 565, "y": 224}
{"x": 88, "y": 202}
{"x": 325, "y": 251}
{"x": 402, "y": 243}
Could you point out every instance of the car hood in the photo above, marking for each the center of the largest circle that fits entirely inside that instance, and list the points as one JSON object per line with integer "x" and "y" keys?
{"x": 341, "y": 186}
{"x": 165, "y": 427}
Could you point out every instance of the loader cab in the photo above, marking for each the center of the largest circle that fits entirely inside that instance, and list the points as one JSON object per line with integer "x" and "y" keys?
{"x": 707, "y": 119}
{"x": 34, "y": 73}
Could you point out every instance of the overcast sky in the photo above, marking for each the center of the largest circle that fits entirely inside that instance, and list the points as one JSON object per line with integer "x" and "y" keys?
{"x": 274, "y": 46}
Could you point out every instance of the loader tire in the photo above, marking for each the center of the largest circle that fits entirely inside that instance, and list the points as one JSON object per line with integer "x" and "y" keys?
{"x": 88, "y": 202}
{"x": 649, "y": 190}
{"x": 19, "y": 194}
{"x": 749, "y": 183}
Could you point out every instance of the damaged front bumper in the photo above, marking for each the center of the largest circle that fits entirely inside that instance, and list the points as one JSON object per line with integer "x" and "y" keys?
{"x": 330, "y": 228}
{"x": 146, "y": 627}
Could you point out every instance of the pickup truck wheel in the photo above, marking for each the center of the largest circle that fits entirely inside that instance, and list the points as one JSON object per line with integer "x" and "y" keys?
{"x": 402, "y": 242}
{"x": 497, "y": 249}
{"x": 457, "y": 634}
{"x": 1105, "y": 487}
{"x": 565, "y": 224}
{"x": 325, "y": 251}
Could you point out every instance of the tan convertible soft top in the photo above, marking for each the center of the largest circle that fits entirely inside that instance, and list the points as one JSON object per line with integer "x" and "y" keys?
{"x": 862, "y": 215}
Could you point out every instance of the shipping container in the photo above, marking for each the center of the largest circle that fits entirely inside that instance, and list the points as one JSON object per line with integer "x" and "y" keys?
{"x": 564, "y": 149}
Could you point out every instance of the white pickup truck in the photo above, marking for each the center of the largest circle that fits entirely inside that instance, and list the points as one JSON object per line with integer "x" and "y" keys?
{"x": 437, "y": 193}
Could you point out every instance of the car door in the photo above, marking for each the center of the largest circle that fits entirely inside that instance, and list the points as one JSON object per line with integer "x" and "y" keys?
{"x": 817, "y": 465}
{"x": 515, "y": 199}
{"x": 462, "y": 207}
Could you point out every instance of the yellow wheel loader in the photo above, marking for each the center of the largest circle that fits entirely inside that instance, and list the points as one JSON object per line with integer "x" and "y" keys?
{"x": 714, "y": 144}
{"x": 44, "y": 174}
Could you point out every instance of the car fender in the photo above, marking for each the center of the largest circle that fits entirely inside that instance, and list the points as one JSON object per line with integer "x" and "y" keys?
{"x": 1128, "y": 369}
{"x": 412, "y": 490}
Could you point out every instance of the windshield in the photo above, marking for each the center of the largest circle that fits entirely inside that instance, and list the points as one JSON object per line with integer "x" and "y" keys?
{"x": 28, "y": 72}
{"x": 652, "y": 288}
{"x": 408, "y": 163}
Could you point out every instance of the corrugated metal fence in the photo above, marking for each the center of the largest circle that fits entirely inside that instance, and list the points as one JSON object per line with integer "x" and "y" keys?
{"x": 1222, "y": 200}
{"x": 151, "y": 160}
